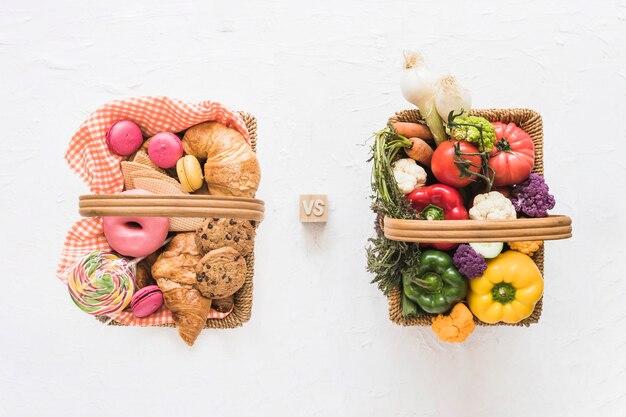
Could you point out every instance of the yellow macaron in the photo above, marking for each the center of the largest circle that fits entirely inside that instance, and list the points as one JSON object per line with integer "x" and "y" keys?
{"x": 189, "y": 173}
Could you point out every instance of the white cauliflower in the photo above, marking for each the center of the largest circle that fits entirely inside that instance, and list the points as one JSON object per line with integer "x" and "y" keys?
{"x": 408, "y": 175}
{"x": 492, "y": 206}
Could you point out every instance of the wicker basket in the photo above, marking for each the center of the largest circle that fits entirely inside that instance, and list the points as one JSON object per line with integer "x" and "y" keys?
{"x": 550, "y": 228}
{"x": 190, "y": 206}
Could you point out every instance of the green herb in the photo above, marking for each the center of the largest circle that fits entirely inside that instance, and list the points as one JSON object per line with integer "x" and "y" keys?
{"x": 388, "y": 200}
{"x": 387, "y": 259}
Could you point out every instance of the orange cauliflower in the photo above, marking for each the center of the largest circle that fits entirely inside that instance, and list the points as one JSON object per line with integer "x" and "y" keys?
{"x": 527, "y": 248}
{"x": 456, "y": 327}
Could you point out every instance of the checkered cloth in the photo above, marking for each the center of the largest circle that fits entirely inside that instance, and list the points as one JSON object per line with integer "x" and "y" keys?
{"x": 89, "y": 156}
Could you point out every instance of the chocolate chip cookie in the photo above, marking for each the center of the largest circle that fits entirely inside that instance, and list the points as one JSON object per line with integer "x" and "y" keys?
{"x": 216, "y": 233}
{"x": 220, "y": 273}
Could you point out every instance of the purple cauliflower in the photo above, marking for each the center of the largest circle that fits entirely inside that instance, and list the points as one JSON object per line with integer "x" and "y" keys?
{"x": 532, "y": 197}
{"x": 469, "y": 262}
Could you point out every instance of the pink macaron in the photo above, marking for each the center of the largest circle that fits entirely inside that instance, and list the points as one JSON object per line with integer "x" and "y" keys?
{"x": 146, "y": 301}
{"x": 124, "y": 137}
{"x": 165, "y": 149}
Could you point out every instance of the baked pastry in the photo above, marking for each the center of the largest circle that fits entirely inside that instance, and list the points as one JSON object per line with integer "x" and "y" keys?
{"x": 178, "y": 261}
{"x": 215, "y": 233}
{"x": 231, "y": 166}
{"x": 143, "y": 276}
{"x": 143, "y": 270}
{"x": 174, "y": 272}
{"x": 190, "y": 310}
{"x": 223, "y": 305}
{"x": 220, "y": 273}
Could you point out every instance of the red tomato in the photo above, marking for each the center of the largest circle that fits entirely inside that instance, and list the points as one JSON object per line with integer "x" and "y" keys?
{"x": 443, "y": 163}
{"x": 513, "y": 155}
{"x": 505, "y": 191}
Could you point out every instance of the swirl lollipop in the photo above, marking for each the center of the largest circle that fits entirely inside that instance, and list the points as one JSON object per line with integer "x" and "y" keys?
{"x": 100, "y": 283}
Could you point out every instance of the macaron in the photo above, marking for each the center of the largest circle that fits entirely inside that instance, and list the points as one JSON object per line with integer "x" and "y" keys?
{"x": 189, "y": 173}
{"x": 165, "y": 149}
{"x": 146, "y": 301}
{"x": 124, "y": 137}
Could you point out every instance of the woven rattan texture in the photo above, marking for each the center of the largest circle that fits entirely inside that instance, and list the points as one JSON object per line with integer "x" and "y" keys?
{"x": 531, "y": 122}
{"x": 242, "y": 309}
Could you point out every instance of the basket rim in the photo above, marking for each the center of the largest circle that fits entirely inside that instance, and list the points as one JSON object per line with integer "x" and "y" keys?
{"x": 531, "y": 113}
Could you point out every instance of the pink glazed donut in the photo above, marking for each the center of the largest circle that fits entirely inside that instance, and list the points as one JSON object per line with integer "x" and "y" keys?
{"x": 135, "y": 236}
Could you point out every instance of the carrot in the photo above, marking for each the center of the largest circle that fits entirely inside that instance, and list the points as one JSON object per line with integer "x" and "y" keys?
{"x": 420, "y": 151}
{"x": 413, "y": 130}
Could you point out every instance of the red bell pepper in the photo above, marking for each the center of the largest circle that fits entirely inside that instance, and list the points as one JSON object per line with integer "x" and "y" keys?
{"x": 438, "y": 202}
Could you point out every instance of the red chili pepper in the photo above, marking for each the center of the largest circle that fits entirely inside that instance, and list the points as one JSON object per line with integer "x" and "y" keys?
{"x": 438, "y": 202}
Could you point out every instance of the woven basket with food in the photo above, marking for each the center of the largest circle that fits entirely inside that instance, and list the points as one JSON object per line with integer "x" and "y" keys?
{"x": 461, "y": 210}
{"x": 168, "y": 238}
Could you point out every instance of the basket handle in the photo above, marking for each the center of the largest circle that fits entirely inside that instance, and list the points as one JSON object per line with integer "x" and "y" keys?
{"x": 171, "y": 206}
{"x": 461, "y": 231}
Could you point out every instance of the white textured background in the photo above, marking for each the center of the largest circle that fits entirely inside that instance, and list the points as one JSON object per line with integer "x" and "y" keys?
{"x": 321, "y": 77}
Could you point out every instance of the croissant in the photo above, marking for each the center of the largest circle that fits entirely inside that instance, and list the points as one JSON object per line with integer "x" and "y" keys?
{"x": 174, "y": 272}
{"x": 231, "y": 167}
{"x": 190, "y": 310}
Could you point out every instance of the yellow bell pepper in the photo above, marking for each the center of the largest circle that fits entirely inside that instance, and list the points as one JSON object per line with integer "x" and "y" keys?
{"x": 508, "y": 289}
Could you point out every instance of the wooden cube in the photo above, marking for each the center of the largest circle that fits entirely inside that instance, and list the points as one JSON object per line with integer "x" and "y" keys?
{"x": 313, "y": 208}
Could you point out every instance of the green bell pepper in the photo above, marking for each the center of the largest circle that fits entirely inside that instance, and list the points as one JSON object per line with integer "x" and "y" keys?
{"x": 436, "y": 285}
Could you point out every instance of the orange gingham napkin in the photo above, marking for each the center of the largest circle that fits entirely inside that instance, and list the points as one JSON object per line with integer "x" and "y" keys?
{"x": 89, "y": 156}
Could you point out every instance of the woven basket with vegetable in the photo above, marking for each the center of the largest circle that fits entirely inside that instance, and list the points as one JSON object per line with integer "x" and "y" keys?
{"x": 461, "y": 208}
